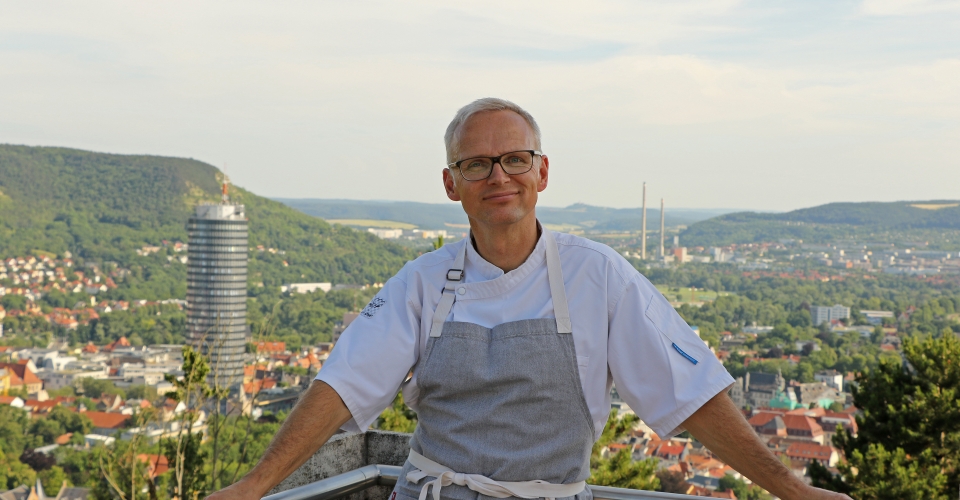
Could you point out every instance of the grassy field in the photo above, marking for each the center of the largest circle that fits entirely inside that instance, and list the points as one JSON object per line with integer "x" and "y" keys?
{"x": 563, "y": 228}
{"x": 687, "y": 294}
{"x": 382, "y": 224}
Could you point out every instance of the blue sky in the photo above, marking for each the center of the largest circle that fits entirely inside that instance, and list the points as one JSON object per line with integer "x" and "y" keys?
{"x": 765, "y": 105}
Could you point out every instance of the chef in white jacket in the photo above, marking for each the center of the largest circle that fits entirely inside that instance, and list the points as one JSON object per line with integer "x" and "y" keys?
{"x": 514, "y": 337}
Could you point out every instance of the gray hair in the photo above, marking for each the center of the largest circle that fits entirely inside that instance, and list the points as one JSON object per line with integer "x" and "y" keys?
{"x": 451, "y": 138}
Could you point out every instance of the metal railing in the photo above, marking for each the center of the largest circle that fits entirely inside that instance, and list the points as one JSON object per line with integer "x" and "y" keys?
{"x": 360, "y": 479}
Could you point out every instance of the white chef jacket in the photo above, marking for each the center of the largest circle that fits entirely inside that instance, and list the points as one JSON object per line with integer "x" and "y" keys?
{"x": 624, "y": 332}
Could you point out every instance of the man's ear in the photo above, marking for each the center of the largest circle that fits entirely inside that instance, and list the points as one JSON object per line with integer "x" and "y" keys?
{"x": 544, "y": 171}
{"x": 448, "y": 185}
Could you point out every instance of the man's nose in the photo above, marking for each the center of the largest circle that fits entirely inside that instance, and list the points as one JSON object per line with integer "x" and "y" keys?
{"x": 498, "y": 174}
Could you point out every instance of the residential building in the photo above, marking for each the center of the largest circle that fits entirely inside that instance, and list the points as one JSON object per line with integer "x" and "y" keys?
{"x": 810, "y": 452}
{"x": 268, "y": 348}
{"x": 768, "y": 424}
{"x": 826, "y": 314}
{"x": 387, "y": 234}
{"x": 13, "y": 401}
{"x": 831, "y": 378}
{"x": 803, "y": 427}
{"x": 306, "y": 287}
{"x": 217, "y": 288}
{"x": 876, "y": 317}
{"x": 756, "y": 389}
{"x": 22, "y": 376}
{"x": 106, "y": 424}
{"x": 817, "y": 393}
{"x": 339, "y": 328}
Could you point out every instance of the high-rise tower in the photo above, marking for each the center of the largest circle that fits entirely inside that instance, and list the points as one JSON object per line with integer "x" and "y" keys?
{"x": 661, "y": 228}
{"x": 643, "y": 225}
{"x": 217, "y": 287}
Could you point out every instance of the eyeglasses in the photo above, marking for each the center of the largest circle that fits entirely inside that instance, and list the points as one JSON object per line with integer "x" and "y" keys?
{"x": 479, "y": 168}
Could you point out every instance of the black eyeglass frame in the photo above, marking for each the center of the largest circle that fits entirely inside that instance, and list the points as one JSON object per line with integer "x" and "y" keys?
{"x": 495, "y": 160}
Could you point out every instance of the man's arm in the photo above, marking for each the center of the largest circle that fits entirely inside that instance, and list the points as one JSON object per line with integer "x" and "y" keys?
{"x": 318, "y": 414}
{"x": 723, "y": 430}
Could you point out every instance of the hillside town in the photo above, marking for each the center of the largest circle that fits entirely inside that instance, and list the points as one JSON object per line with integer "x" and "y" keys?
{"x": 796, "y": 420}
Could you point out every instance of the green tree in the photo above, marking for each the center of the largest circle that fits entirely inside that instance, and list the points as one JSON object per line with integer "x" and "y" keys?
{"x": 908, "y": 445}
{"x": 96, "y": 388}
{"x": 14, "y": 473}
{"x": 672, "y": 482}
{"x": 71, "y": 421}
{"x": 14, "y": 424}
{"x": 46, "y": 429}
{"x": 398, "y": 417}
{"x": 142, "y": 392}
{"x": 52, "y": 480}
{"x": 620, "y": 470}
{"x": 189, "y": 479}
{"x": 741, "y": 489}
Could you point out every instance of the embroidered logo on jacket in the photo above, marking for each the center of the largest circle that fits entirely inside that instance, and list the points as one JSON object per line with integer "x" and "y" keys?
{"x": 373, "y": 307}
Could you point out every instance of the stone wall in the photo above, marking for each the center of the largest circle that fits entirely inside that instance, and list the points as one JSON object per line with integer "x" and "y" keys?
{"x": 350, "y": 451}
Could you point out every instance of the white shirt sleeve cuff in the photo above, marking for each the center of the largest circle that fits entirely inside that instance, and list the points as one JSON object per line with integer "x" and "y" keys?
{"x": 359, "y": 422}
{"x": 672, "y": 425}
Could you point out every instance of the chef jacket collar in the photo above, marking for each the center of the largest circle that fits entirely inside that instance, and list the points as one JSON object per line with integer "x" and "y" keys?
{"x": 483, "y": 279}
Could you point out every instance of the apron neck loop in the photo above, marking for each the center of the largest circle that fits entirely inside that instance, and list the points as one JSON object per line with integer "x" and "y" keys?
{"x": 554, "y": 275}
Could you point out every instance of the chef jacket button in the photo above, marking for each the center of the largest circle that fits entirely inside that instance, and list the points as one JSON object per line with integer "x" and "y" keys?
{"x": 461, "y": 290}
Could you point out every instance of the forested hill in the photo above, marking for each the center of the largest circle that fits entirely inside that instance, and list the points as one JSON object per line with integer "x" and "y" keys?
{"x": 103, "y": 207}
{"x": 829, "y": 222}
{"x": 441, "y": 215}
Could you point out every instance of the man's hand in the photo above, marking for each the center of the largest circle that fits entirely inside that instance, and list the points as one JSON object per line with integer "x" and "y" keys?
{"x": 237, "y": 491}
{"x": 318, "y": 414}
{"x": 720, "y": 426}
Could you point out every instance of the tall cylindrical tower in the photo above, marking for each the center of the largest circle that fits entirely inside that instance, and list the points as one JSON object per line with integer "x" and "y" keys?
{"x": 217, "y": 289}
{"x": 643, "y": 225}
{"x": 662, "y": 228}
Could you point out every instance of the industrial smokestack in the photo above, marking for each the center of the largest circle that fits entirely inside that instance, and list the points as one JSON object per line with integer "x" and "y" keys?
{"x": 661, "y": 228}
{"x": 643, "y": 225}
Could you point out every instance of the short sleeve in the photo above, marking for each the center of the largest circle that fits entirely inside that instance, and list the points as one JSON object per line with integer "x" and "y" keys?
{"x": 661, "y": 368}
{"x": 374, "y": 354}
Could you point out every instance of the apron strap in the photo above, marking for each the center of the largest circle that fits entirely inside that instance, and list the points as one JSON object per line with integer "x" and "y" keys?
{"x": 555, "y": 276}
{"x": 482, "y": 484}
{"x": 454, "y": 277}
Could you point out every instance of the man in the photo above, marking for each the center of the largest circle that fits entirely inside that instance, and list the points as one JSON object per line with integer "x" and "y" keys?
{"x": 513, "y": 337}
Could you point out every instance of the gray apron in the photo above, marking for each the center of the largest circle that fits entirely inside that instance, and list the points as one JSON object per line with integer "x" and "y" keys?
{"x": 502, "y": 404}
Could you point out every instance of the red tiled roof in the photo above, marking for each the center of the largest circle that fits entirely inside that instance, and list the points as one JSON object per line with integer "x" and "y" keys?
{"x": 63, "y": 438}
{"x": 41, "y": 405}
{"x": 271, "y": 346}
{"x": 667, "y": 450}
{"x": 5, "y": 400}
{"x": 104, "y": 420}
{"x": 762, "y": 418}
{"x": 802, "y": 423}
{"x": 156, "y": 464}
{"x": 20, "y": 374}
{"x": 809, "y": 451}
{"x": 122, "y": 341}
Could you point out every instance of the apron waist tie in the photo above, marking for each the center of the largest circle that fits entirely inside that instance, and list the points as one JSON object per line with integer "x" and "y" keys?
{"x": 482, "y": 484}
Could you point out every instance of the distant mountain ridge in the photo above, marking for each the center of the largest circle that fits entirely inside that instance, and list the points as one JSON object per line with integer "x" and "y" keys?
{"x": 440, "y": 215}
{"x": 106, "y": 206}
{"x": 826, "y": 222}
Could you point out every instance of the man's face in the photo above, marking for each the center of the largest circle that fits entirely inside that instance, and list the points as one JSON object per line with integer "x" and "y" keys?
{"x": 500, "y": 199}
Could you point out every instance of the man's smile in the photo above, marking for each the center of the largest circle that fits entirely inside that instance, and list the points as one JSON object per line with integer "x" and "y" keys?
{"x": 501, "y": 196}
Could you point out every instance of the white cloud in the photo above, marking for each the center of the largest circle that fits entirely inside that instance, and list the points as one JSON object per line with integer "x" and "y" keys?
{"x": 708, "y": 101}
{"x": 908, "y": 7}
